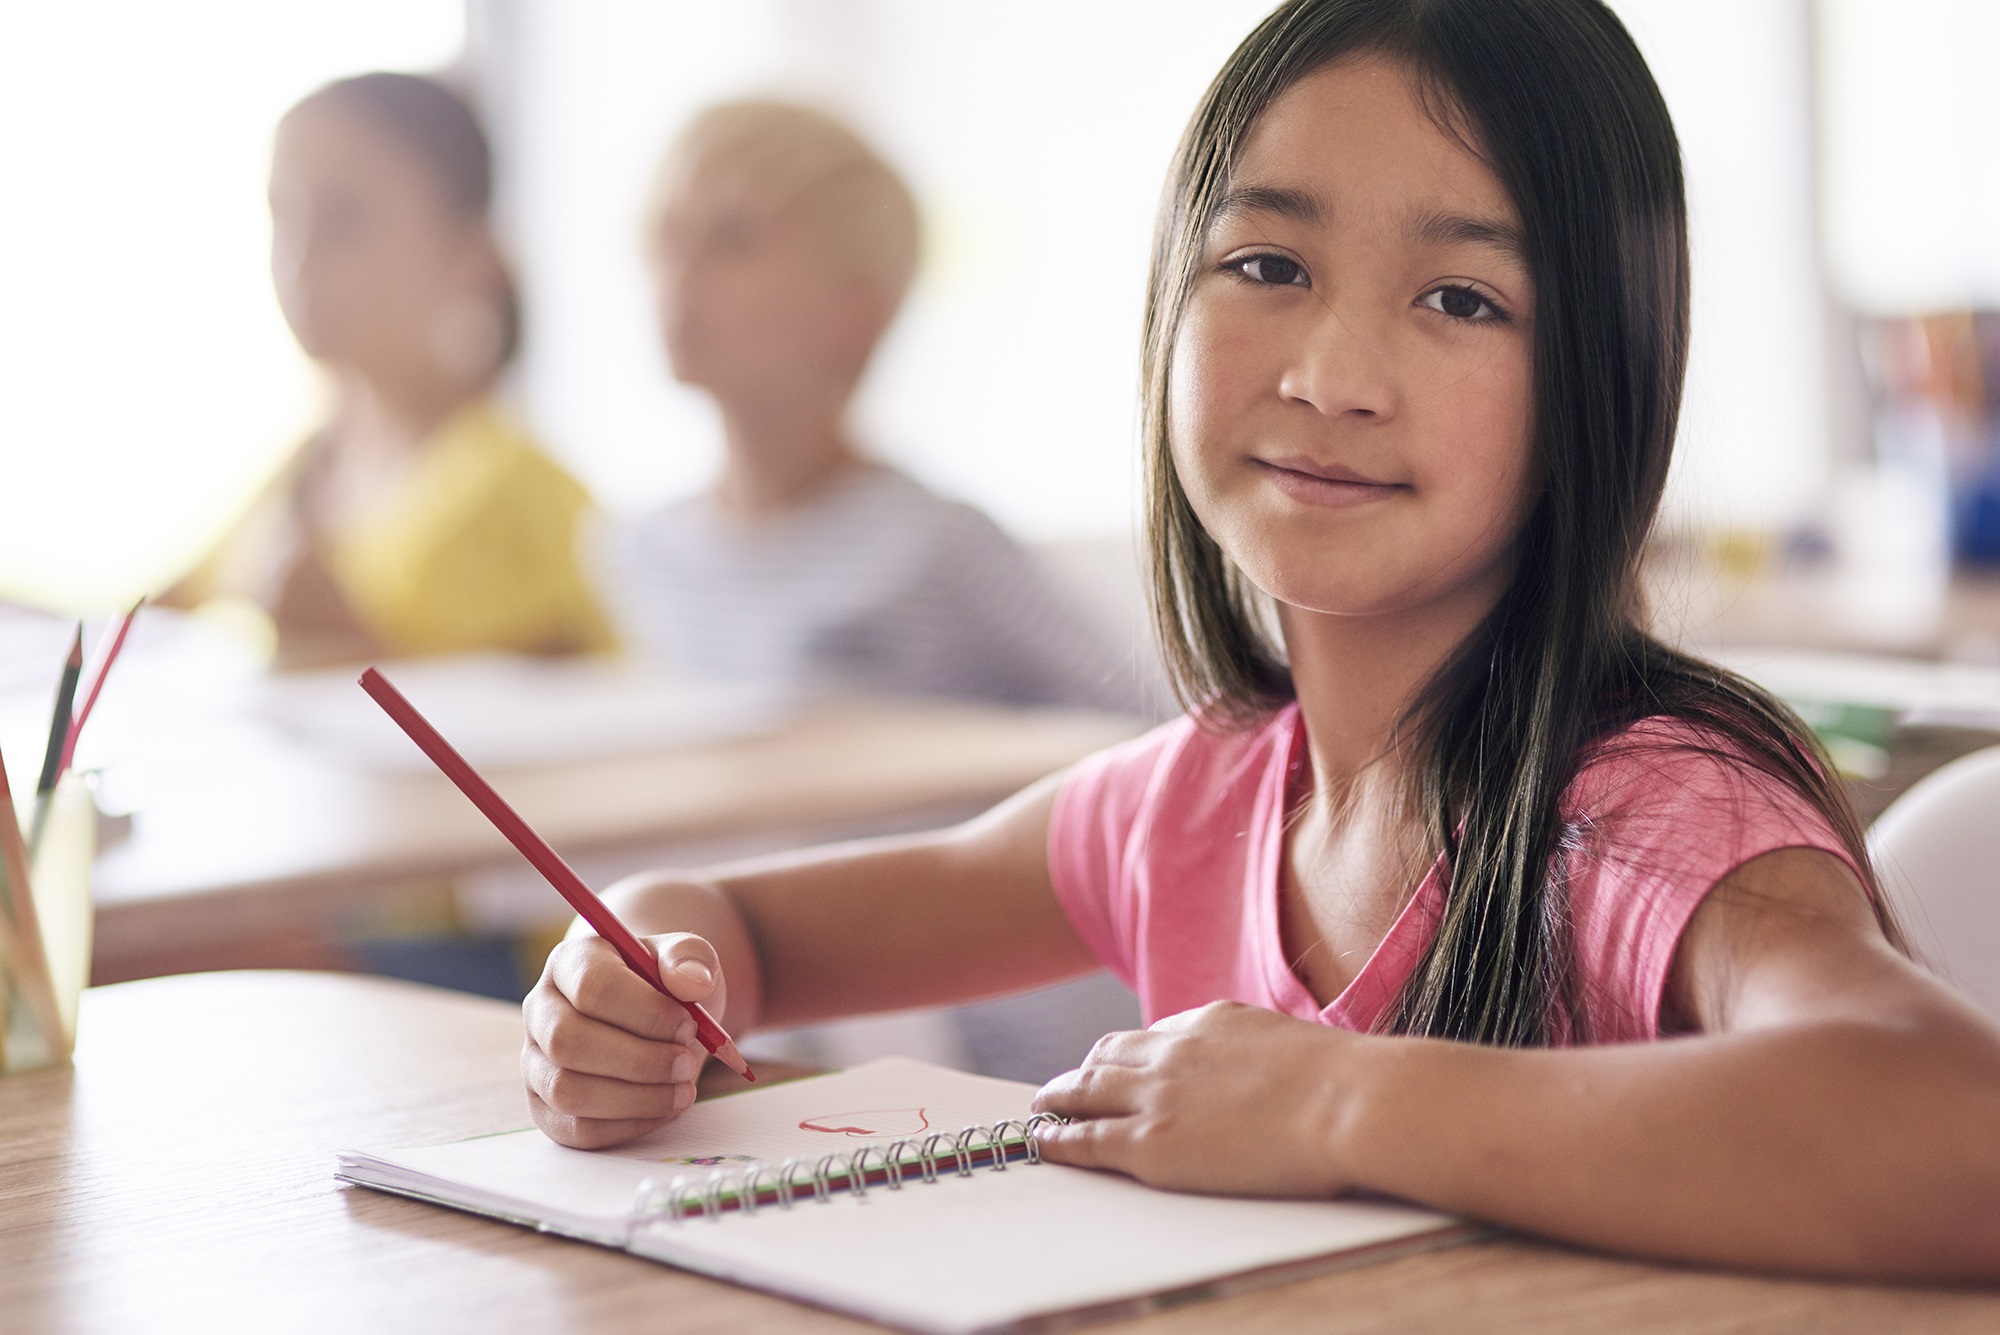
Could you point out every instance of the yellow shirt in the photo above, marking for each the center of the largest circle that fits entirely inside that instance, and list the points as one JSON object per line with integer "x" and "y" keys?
{"x": 474, "y": 548}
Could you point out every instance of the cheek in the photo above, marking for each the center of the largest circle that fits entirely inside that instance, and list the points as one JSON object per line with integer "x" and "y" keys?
{"x": 1211, "y": 385}
{"x": 1485, "y": 466}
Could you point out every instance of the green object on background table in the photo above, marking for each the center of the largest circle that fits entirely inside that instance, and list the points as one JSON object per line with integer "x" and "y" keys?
{"x": 1857, "y": 736}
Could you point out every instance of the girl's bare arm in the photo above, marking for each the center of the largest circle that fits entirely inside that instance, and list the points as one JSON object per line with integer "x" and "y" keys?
{"x": 1837, "y": 1113}
{"x": 871, "y": 926}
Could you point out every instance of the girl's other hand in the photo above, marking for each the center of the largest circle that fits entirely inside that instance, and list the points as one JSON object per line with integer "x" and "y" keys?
{"x": 607, "y": 1058}
{"x": 1229, "y": 1099}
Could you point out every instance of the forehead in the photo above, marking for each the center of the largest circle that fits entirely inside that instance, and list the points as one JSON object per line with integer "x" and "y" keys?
{"x": 696, "y": 189}
{"x": 321, "y": 139}
{"x": 1357, "y": 134}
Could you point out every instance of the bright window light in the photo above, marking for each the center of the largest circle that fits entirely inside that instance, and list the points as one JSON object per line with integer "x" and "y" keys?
{"x": 150, "y": 384}
{"x": 1912, "y": 204}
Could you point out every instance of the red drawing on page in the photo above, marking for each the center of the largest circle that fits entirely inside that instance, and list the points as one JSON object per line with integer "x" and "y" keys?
{"x": 870, "y": 1122}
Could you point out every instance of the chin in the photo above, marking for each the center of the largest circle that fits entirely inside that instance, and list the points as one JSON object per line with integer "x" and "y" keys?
{"x": 311, "y": 337}
{"x": 320, "y": 348}
{"x": 1331, "y": 583}
{"x": 686, "y": 369}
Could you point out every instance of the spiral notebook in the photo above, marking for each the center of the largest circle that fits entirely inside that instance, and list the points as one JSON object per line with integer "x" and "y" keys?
{"x": 902, "y": 1192}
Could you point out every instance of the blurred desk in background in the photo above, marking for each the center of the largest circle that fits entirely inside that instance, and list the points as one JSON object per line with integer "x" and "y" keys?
{"x": 1706, "y": 601}
{"x": 259, "y": 853}
{"x": 1896, "y": 692}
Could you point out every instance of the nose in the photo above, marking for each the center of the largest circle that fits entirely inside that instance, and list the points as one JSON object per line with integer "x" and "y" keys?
{"x": 1341, "y": 367}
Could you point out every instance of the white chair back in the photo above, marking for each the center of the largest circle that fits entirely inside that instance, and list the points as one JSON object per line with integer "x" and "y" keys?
{"x": 1937, "y": 850}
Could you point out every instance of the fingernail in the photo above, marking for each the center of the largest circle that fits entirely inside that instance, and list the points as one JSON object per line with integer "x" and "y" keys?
{"x": 683, "y": 1069}
{"x": 695, "y": 972}
{"x": 683, "y": 1096}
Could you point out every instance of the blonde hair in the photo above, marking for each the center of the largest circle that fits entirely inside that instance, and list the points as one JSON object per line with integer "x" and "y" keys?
{"x": 792, "y": 156}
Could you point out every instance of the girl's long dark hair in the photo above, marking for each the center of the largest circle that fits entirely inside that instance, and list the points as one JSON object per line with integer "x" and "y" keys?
{"x": 1556, "y": 99}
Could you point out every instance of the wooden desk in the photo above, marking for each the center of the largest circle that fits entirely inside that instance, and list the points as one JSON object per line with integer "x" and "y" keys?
{"x": 180, "y": 1179}
{"x": 256, "y": 844}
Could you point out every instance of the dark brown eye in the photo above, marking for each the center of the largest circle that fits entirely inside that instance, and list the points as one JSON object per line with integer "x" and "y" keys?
{"x": 1273, "y": 270}
{"x": 1461, "y": 303}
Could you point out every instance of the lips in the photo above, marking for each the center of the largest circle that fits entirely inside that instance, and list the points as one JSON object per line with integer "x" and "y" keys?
{"x": 1334, "y": 486}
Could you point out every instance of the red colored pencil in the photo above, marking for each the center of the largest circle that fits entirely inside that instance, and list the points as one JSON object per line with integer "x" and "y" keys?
{"x": 115, "y": 637}
{"x": 546, "y": 861}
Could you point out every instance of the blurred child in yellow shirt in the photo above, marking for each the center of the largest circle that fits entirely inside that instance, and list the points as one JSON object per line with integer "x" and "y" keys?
{"x": 420, "y": 519}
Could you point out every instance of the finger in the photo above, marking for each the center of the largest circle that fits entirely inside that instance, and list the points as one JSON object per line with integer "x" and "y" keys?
{"x": 690, "y": 966}
{"x": 1215, "y": 1012}
{"x": 575, "y": 1042}
{"x": 1090, "y": 1092}
{"x": 576, "y": 1094}
{"x": 1125, "y": 1047}
{"x": 1105, "y": 1143}
{"x": 596, "y": 982}
{"x": 587, "y": 1133}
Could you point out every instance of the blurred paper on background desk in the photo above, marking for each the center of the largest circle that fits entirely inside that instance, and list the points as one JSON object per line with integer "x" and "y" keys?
{"x": 505, "y": 712}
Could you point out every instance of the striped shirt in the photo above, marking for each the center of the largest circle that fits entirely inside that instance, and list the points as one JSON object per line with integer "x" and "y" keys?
{"x": 877, "y": 586}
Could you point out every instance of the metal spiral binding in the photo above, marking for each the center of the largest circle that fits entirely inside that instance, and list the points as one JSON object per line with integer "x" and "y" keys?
{"x": 686, "y": 1195}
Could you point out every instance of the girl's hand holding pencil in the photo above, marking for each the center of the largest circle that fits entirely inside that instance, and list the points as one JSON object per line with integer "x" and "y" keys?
{"x": 619, "y": 989}
{"x": 607, "y": 1057}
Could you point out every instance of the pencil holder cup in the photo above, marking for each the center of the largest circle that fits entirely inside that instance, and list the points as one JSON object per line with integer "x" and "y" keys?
{"x": 45, "y": 956}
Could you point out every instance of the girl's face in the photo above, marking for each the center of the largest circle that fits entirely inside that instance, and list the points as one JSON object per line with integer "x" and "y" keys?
{"x": 366, "y": 250}
{"x": 1350, "y": 403}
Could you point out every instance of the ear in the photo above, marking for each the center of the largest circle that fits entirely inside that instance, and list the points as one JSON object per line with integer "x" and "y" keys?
{"x": 474, "y": 264}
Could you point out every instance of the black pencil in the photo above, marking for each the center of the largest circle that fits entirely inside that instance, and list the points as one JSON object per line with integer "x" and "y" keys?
{"x": 59, "y": 726}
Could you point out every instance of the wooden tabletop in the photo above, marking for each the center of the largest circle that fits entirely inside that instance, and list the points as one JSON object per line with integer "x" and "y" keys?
{"x": 180, "y": 1178}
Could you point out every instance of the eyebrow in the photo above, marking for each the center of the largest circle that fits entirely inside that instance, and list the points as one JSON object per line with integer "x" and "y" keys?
{"x": 1298, "y": 205}
{"x": 1445, "y": 229}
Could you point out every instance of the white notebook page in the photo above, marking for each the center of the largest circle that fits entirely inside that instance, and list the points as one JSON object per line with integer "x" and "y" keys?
{"x": 959, "y": 1254}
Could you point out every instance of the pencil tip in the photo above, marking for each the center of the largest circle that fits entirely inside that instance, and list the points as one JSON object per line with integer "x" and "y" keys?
{"x": 733, "y": 1059}
{"x": 76, "y": 648}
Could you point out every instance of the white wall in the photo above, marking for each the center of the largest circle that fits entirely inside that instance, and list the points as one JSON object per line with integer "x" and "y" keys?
{"x": 1753, "y": 451}
{"x": 1912, "y": 199}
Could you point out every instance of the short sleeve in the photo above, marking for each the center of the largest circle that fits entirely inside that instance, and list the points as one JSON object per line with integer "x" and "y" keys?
{"x": 1658, "y": 818}
{"x": 1095, "y": 832}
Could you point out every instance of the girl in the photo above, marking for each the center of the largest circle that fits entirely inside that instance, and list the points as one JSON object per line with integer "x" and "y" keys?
{"x": 420, "y": 519}
{"x": 1456, "y": 885}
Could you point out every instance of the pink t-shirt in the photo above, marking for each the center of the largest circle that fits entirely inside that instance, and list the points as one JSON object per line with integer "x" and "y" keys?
{"x": 1166, "y": 854}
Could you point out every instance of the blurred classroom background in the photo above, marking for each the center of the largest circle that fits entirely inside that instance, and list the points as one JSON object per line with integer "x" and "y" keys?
{"x": 1832, "y": 526}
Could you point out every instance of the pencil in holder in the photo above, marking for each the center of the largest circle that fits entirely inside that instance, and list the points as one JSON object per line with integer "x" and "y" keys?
{"x": 45, "y": 940}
